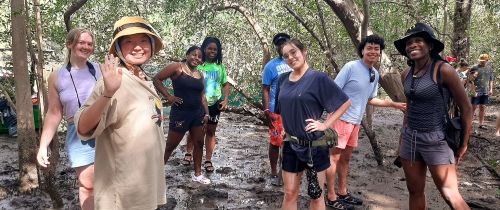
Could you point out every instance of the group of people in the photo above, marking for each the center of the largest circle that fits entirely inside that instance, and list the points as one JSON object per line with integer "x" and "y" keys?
{"x": 295, "y": 99}
{"x": 115, "y": 137}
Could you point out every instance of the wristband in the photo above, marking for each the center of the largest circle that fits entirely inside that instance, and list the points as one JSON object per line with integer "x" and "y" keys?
{"x": 105, "y": 96}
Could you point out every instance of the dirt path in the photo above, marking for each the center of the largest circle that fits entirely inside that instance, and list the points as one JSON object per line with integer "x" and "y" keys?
{"x": 242, "y": 170}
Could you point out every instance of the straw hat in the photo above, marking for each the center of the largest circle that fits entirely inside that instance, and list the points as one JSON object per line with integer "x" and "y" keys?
{"x": 134, "y": 25}
{"x": 419, "y": 30}
{"x": 484, "y": 57}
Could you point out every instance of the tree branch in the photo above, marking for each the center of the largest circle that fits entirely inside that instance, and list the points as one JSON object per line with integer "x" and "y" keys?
{"x": 331, "y": 53}
{"x": 314, "y": 35}
{"x": 75, "y": 6}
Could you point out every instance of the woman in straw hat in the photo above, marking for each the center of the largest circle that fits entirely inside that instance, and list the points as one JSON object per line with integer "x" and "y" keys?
{"x": 124, "y": 115}
{"x": 69, "y": 88}
{"x": 423, "y": 143}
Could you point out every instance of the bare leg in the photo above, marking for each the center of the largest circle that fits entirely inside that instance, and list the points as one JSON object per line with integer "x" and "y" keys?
{"x": 85, "y": 176}
{"x": 482, "y": 110}
{"x": 274, "y": 152}
{"x": 320, "y": 202}
{"x": 446, "y": 180}
{"x": 343, "y": 169}
{"x": 189, "y": 144}
{"x": 291, "y": 188}
{"x": 415, "y": 182}
{"x": 173, "y": 140}
{"x": 210, "y": 141}
{"x": 331, "y": 173}
{"x": 474, "y": 107}
{"x": 197, "y": 141}
{"x": 498, "y": 125}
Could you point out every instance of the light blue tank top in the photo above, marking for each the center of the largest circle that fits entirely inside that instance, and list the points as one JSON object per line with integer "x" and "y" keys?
{"x": 84, "y": 82}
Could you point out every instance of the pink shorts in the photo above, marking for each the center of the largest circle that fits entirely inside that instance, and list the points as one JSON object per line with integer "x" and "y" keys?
{"x": 276, "y": 133}
{"x": 348, "y": 133}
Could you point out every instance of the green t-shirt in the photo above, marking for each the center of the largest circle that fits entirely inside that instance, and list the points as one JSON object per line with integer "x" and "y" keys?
{"x": 215, "y": 77}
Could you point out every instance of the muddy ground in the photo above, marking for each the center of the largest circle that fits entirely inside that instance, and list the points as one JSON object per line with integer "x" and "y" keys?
{"x": 242, "y": 171}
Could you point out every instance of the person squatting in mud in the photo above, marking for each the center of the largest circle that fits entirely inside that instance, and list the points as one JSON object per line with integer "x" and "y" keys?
{"x": 302, "y": 96}
{"x": 124, "y": 115}
{"x": 428, "y": 84}
{"x": 69, "y": 88}
{"x": 189, "y": 110}
{"x": 217, "y": 93}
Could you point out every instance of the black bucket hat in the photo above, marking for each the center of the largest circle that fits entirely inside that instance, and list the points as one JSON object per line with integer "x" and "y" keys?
{"x": 280, "y": 38}
{"x": 419, "y": 30}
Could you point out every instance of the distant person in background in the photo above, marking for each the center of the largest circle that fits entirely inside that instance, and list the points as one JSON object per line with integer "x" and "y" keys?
{"x": 69, "y": 88}
{"x": 498, "y": 125}
{"x": 189, "y": 110}
{"x": 217, "y": 93}
{"x": 463, "y": 70}
{"x": 272, "y": 70}
{"x": 484, "y": 87}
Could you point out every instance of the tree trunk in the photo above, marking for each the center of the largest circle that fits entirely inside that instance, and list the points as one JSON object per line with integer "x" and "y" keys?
{"x": 75, "y": 6}
{"x": 25, "y": 124}
{"x": 350, "y": 16}
{"x": 461, "y": 24}
{"x": 49, "y": 175}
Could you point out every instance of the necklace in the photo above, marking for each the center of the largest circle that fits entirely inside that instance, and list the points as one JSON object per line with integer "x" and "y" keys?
{"x": 421, "y": 68}
{"x": 188, "y": 72}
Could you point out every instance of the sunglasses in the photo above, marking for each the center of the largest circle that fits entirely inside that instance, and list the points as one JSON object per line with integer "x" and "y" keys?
{"x": 372, "y": 75}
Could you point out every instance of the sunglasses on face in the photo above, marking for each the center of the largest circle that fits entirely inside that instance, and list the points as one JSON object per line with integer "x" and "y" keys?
{"x": 372, "y": 75}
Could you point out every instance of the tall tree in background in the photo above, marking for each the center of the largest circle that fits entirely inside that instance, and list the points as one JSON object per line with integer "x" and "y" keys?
{"x": 461, "y": 23}
{"x": 25, "y": 123}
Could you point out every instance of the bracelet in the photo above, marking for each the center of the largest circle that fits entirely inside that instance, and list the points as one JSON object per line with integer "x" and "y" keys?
{"x": 105, "y": 96}
{"x": 266, "y": 110}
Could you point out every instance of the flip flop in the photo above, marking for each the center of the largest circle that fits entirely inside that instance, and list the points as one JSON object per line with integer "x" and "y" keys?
{"x": 188, "y": 158}
{"x": 209, "y": 167}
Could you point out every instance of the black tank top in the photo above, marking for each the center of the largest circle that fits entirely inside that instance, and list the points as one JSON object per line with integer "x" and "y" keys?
{"x": 189, "y": 89}
{"x": 426, "y": 111}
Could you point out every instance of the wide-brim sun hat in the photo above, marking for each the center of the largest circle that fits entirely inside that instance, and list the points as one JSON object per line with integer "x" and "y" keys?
{"x": 126, "y": 26}
{"x": 419, "y": 30}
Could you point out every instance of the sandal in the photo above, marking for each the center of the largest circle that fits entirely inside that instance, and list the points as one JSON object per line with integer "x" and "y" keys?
{"x": 349, "y": 199}
{"x": 338, "y": 204}
{"x": 483, "y": 127}
{"x": 188, "y": 158}
{"x": 201, "y": 179}
{"x": 209, "y": 167}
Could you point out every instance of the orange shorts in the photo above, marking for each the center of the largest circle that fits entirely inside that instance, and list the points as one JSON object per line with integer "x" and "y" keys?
{"x": 276, "y": 132}
{"x": 348, "y": 133}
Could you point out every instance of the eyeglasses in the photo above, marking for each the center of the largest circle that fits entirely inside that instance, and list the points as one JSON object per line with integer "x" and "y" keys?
{"x": 372, "y": 75}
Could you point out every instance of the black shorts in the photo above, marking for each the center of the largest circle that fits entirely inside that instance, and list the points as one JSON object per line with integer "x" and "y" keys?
{"x": 292, "y": 163}
{"x": 183, "y": 120}
{"x": 480, "y": 100}
{"x": 214, "y": 112}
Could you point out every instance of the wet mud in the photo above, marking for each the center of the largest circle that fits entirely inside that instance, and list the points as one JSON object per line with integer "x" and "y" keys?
{"x": 241, "y": 176}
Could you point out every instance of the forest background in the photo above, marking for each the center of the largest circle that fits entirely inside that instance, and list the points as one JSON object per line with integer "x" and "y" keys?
{"x": 32, "y": 34}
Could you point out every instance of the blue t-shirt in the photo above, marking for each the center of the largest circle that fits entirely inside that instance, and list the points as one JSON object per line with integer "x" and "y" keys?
{"x": 354, "y": 80}
{"x": 307, "y": 98}
{"x": 270, "y": 75}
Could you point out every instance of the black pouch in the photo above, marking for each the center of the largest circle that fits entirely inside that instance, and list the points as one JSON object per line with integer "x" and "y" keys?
{"x": 454, "y": 133}
{"x": 313, "y": 189}
{"x": 331, "y": 137}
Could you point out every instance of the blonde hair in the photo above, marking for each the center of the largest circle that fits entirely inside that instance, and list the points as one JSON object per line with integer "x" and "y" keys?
{"x": 72, "y": 38}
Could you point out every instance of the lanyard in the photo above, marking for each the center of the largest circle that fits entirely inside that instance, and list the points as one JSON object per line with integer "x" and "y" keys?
{"x": 91, "y": 70}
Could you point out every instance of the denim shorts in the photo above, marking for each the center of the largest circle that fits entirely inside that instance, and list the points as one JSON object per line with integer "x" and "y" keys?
{"x": 183, "y": 120}
{"x": 429, "y": 147}
{"x": 480, "y": 100}
{"x": 293, "y": 163}
{"x": 81, "y": 153}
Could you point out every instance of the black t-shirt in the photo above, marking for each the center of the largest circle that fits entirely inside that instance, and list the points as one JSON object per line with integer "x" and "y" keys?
{"x": 307, "y": 98}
